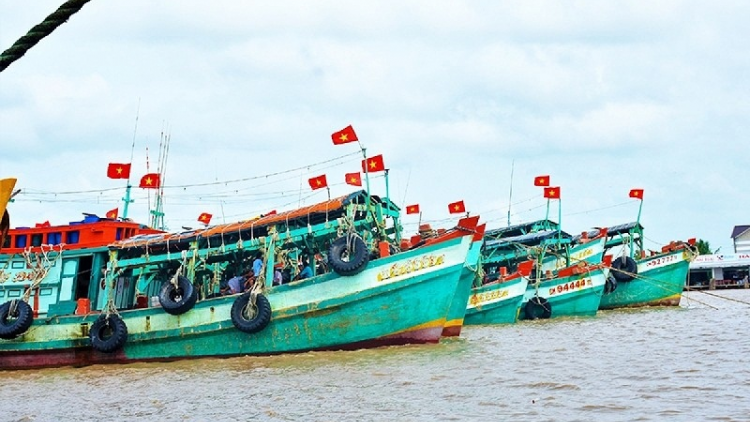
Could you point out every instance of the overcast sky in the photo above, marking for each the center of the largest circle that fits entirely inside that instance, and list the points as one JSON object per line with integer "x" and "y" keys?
{"x": 457, "y": 96}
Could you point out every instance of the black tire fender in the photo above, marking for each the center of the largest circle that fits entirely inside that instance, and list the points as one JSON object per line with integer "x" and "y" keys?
{"x": 624, "y": 268}
{"x": 248, "y": 318}
{"x": 108, "y": 334}
{"x": 344, "y": 261}
{"x": 610, "y": 285}
{"x": 177, "y": 300}
{"x": 16, "y": 323}
{"x": 538, "y": 308}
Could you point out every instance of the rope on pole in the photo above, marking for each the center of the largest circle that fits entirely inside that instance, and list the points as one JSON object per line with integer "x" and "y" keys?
{"x": 24, "y": 44}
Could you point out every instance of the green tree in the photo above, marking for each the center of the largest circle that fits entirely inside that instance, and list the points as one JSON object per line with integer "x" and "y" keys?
{"x": 704, "y": 248}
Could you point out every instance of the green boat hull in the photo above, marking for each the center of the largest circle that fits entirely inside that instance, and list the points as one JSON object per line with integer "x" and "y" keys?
{"x": 575, "y": 295}
{"x": 496, "y": 303}
{"x": 399, "y": 299}
{"x": 457, "y": 311}
{"x": 659, "y": 282}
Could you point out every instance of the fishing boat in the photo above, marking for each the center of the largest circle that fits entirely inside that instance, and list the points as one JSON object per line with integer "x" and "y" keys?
{"x": 498, "y": 299}
{"x": 162, "y": 297}
{"x": 567, "y": 279}
{"x": 472, "y": 270}
{"x": 640, "y": 277}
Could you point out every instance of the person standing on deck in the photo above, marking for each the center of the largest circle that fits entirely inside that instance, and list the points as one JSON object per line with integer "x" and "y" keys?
{"x": 258, "y": 264}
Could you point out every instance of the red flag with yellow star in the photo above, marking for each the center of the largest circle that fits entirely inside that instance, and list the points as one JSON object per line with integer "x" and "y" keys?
{"x": 150, "y": 181}
{"x": 636, "y": 193}
{"x": 541, "y": 181}
{"x": 118, "y": 171}
{"x": 318, "y": 182}
{"x": 112, "y": 214}
{"x": 552, "y": 193}
{"x": 344, "y": 136}
{"x": 456, "y": 207}
{"x": 354, "y": 179}
{"x": 412, "y": 209}
{"x": 205, "y": 218}
{"x": 373, "y": 164}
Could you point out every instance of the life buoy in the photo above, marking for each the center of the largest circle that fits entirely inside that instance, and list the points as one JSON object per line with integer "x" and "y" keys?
{"x": 348, "y": 255}
{"x": 538, "y": 307}
{"x": 16, "y": 317}
{"x": 250, "y": 318}
{"x": 624, "y": 268}
{"x": 108, "y": 334}
{"x": 610, "y": 285}
{"x": 177, "y": 300}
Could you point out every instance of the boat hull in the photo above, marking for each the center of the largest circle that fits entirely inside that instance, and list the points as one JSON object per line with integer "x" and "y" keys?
{"x": 574, "y": 295}
{"x": 399, "y": 299}
{"x": 457, "y": 311}
{"x": 496, "y": 303}
{"x": 659, "y": 282}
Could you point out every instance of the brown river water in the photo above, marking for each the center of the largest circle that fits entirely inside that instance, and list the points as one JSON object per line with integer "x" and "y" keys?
{"x": 684, "y": 364}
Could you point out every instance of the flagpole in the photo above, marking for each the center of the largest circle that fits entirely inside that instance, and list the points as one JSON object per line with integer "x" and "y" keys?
{"x": 128, "y": 186}
{"x": 638, "y": 225}
{"x": 388, "y": 201}
{"x": 546, "y": 217}
{"x": 510, "y": 196}
{"x": 329, "y": 192}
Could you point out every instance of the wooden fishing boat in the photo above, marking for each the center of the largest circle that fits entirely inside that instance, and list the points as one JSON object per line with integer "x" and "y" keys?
{"x": 457, "y": 311}
{"x": 162, "y": 296}
{"x": 568, "y": 279}
{"x": 639, "y": 277}
{"x": 498, "y": 300}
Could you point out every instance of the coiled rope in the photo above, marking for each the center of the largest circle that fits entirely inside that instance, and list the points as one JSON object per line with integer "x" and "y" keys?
{"x": 24, "y": 44}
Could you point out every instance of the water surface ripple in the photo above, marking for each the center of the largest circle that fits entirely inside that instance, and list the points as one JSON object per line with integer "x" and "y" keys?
{"x": 683, "y": 364}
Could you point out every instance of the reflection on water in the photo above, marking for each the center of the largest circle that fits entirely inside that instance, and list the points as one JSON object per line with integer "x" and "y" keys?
{"x": 688, "y": 363}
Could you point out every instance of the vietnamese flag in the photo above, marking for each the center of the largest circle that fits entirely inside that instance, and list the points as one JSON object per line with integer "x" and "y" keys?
{"x": 150, "y": 181}
{"x": 112, "y": 214}
{"x": 344, "y": 136}
{"x": 118, "y": 171}
{"x": 552, "y": 193}
{"x": 373, "y": 164}
{"x": 205, "y": 218}
{"x": 636, "y": 193}
{"x": 412, "y": 209}
{"x": 456, "y": 207}
{"x": 318, "y": 182}
{"x": 272, "y": 212}
{"x": 354, "y": 179}
{"x": 541, "y": 180}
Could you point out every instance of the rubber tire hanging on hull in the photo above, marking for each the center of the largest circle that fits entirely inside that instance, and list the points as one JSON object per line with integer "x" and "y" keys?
{"x": 23, "y": 317}
{"x": 538, "y": 308}
{"x": 180, "y": 299}
{"x": 624, "y": 268}
{"x": 108, "y": 334}
{"x": 251, "y": 323}
{"x": 610, "y": 285}
{"x": 355, "y": 262}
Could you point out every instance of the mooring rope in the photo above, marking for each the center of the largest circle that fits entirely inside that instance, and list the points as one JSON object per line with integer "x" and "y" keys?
{"x": 35, "y": 34}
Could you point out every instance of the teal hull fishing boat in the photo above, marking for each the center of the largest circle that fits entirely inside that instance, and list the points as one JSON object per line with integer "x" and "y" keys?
{"x": 457, "y": 310}
{"x": 644, "y": 278}
{"x": 163, "y": 297}
{"x": 568, "y": 278}
{"x": 499, "y": 301}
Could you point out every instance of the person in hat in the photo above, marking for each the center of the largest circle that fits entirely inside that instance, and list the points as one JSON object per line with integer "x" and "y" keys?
{"x": 278, "y": 278}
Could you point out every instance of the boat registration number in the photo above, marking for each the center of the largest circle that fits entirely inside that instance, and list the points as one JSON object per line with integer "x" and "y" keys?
{"x": 661, "y": 261}
{"x": 568, "y": 287}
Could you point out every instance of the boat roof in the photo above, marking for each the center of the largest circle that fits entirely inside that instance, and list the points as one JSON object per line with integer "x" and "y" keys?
{"x": 612, "y": 231}
{"x": 529, "y": 239}
{"x": 521, "y": 229}
{"x": 257, "y": 227}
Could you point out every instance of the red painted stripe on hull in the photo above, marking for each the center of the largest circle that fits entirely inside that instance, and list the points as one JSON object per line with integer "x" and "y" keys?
{"x": 453, "y": 331}
{"x": 85, "y": 357}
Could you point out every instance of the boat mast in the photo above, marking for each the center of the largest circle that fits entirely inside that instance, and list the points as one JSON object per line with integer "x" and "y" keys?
{"x": 128, "y": 186}
{"x": 510, "y": 196}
